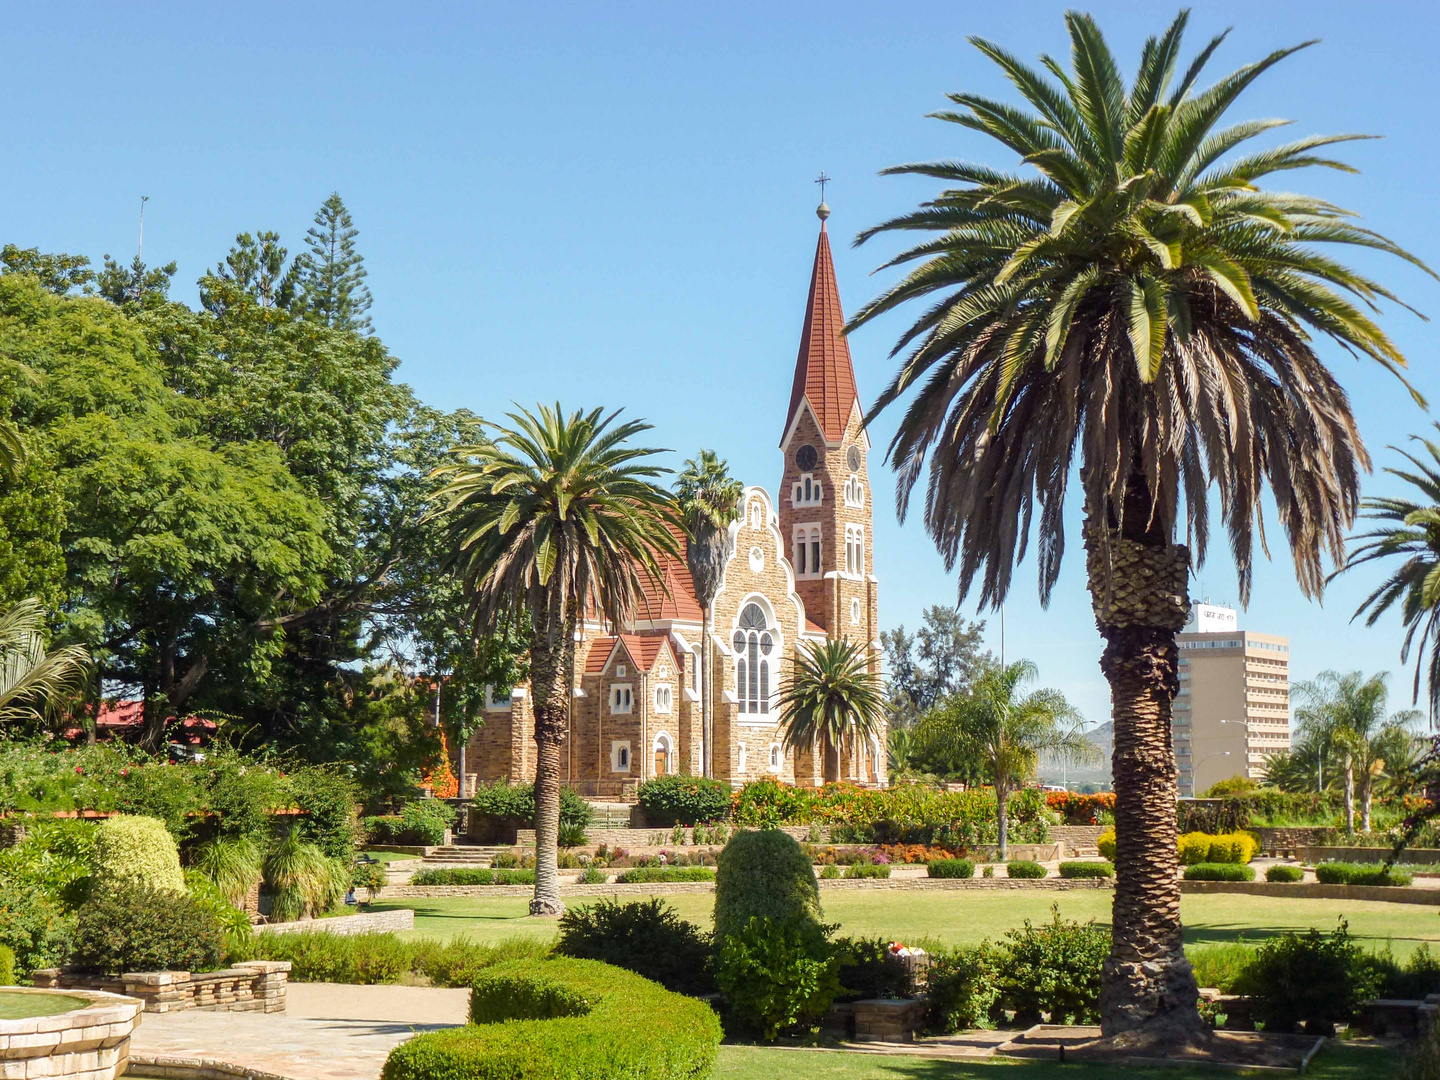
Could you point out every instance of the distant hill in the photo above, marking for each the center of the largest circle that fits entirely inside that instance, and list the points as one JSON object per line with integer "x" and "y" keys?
{"x": 1053, "y": 771}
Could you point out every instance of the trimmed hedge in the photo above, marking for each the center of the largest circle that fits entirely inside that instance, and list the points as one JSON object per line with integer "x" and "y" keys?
{"x": 644, "y": 875}
{"x": 566, "y": 1019}
{"x": 136, "y": 852}
{"x": 1105, "y": 843}
{"x": 684, "y": 800}
{"x": 1024, "y": 868}
{"x": 867, "y": 870}
{"x": 1086, "y": 869}
{"x": 373, "y": 958}
{"x": 1343, "y": 873}
{"x": 1219, "y": 872}
{"x": 1199, "y": 847}
{"x": 763, "y": 874}
{"x": 7, "y": 966}
{"x": 1281, "y": 872}
{"x": 466, "y": 876}
{"x": 950, "y": 868}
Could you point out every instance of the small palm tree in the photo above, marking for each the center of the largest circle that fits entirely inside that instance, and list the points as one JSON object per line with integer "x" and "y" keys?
{"x": 552, "y": 517}
{"x": 1132, "y": 309}
{"x": 1004, "y": 732}
{"x": 1409, "y": 530}
{"x": 709, "y": 501}
{"x": 830, "y": 699}
{"x": 1348, "y": 714}
{"x": 34, "y": 683}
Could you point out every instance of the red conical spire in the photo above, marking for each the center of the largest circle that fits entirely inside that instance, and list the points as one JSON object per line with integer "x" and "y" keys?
{"x": 824, "y": 375}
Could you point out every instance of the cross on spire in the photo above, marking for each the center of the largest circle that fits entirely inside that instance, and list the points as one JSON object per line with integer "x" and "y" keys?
{"x": 822, "y": 180}
{"x": 823, "y": 210}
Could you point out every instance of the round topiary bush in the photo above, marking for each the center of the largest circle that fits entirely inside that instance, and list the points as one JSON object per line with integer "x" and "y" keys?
{"x": 1281, "y": 872}
{"x": 1024, "y": 868}
{"x": 1219, "y": 872}
{"x": 1084, "y": 868}
{"x": 562, "y": 1019}
{"x": 950, "y": 868}
{"x": 1105, "y": 844}
{"x": 136, "y": 852}
{"x": 763, "y": 874}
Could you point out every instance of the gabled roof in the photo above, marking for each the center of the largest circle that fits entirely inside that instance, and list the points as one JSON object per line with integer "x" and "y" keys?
{"x": 673, "y": 597}
{"x": 599, "y": 655}
{"x": 824, "y": 375}
{"x": 642, "y": 650}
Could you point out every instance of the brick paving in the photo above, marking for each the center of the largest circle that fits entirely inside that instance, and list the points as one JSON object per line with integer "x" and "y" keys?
{"x": 328, "y": 1032}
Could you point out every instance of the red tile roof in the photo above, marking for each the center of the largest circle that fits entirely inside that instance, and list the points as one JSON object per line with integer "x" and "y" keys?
{"x": 643, "y": 650}
{"x": 673, "y": 596}
{"x": 599, "y": 655}
{"x": 823, "y": 373}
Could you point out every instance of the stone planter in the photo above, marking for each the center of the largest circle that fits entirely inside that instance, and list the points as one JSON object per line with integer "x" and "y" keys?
{"x": 890, "y": 1020}
{"x": 252, "y": 986}
{"x": 92, "y": 1043}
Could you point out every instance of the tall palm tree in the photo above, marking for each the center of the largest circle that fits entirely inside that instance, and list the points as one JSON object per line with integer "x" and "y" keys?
{"x": 1348, "y": 714}
{"x": 552, "y": 517}
{"x": 1133, "y": 299}
{"x": 1410, "y": 530}
{"x": 34, "y": 682}
{"x": 830, "y": 699}
{"x": 709, "y": 501}
{"x": 1004, "y": 731}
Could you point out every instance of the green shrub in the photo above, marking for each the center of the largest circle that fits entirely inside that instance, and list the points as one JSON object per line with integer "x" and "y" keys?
{"x": 684, "y": 800}
{"x": 1220, "y": 965}
{"x": 1343, "y": 873}
{"x": 1314, "y": 979}
{"x": 764, "y": 874}
{"x": 136, "y": 852}
{"x": 571, "y": 835}
{"x": 1082, "y": 868}
{"x": 1412, "y": 981}
{"x": 514, "y": 807}
{"x": 424, "y": 821}
{"x": 776, "y": 975}
{"x": 593, "y": 875}
{"x": 868, "y": 970}
{"x": 459, "y": 961}
{"x": 566, "y": 1019}
{"x": 233, "y": 863}
{"x": 207, "y": 894}
{"x": 1281, "y": 872}
{"x": 7, "y": 966}
{"x": 34, "y": 924}
{"x": 644, "y": 875}
{"x": 1201, "y": 847}
{"x": 646, "y": 937}
{"x": 171, "y": 795}
{"x": 830, "y": 873}
{"x": 369, "y": 876}
{"x": 136, "y": 929}
{"x": 867, "y": 870}
{"x": 964, "y": 988}
{"x": 328, "y": 797}
{"x": 303, "y": 880}
{"x": 1219, "y": 872}
{"x": 950, "y": 868}
{"x": 381, "y": 829}
{"x": 365, "y": 959}
{"x": 1105, "y": 844}
{"x": 1053, "y": 969}
{"x": 1024, "y": 868}
{"x": 243, "y": 798}
{"x": 471, "y": 876}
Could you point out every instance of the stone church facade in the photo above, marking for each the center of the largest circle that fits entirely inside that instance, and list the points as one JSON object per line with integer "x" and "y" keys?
{"x": 802, "y": 571}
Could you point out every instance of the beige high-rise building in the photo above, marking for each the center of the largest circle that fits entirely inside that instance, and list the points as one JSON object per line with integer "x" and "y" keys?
{"x": 1233, "y": 709}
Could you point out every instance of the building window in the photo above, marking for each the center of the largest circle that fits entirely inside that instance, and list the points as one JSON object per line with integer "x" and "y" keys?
{"x": 494, "y": 700}
{"x": 621, "y": 700}
{"x": 664, "y": 755}
{"x": 757, "y": 515}
{"x": 855, "y": 550}
{"x": 855, "y": 612}
{"x": 754, "y": 650}
{"x": 662, "y": 699}
{"x": 777, "y": 757}
{"x": 619, "y": 757}
{"x": 742, "y": 757}
{"x": 620, "y": 670}
{"x": 807, "y": 551}
{"x": 694, "y": 673}
{"x": 854, "y": 491}
{"x": 807, "y": 491}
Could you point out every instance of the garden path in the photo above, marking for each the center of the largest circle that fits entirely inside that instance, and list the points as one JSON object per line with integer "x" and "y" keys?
{"x": 328, "y": 1031}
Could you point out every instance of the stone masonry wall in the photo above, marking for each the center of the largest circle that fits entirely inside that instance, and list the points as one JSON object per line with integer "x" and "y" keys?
{"x": 362, "y": 922}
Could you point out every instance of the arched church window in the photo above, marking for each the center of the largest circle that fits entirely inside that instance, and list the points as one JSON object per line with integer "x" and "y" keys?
{"x": 807, "y": 491}
{"x": 854, "y": 491}
{"x": 754, "y": 645}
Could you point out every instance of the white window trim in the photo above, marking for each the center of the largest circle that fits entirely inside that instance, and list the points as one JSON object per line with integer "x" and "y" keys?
{"x": 777, "y": 758}
{"x": 615, "y": 709}
{"x": 615, "y": 750}
{"x": 854, "y": 491}
{"x": 855, "y": 611}
{"x": 806, "y": 536}
{"x": 662, "y": 739}
{"x": 817, "y": 491}
{"x": 493, "y": 704}
{"x": 664, "y": 698}
{"x": 854, "y": 535}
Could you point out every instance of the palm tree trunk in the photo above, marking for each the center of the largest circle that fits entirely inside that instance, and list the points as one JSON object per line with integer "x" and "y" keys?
{"x": 1138, "y": 582}
{"x": 707, "y": 724}
{"x": 1349, "y": 795}
{"x": 1002, "y": 816}
{"x": 548, "y": 668}
{"x": 1367, "y": 791}
{"x": 831, "y": 774}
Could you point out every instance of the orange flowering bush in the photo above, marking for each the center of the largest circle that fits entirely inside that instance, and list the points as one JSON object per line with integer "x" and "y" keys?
{"x": 1079, "y": 809}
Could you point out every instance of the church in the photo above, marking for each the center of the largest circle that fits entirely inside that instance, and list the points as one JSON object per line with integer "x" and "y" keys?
{"x": 802, "y": 570}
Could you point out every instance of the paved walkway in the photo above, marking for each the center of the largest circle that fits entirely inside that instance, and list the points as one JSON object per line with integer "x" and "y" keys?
{"x": 328, "y": 1031}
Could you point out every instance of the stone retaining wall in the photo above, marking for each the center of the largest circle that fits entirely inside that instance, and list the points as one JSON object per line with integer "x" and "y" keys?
{"x": 1287, "y": 841}
{"x": 362, "y": 922}
{"x": 630, "y": 838}
{"x": 1307, "y": 890}
{"x": 252, "y": 986}
{"x": 1054, "y": 884}
{"x": 1075, "y": 837}
{"x": 92, "y": 1043}
{"x": 1311, "y": 855}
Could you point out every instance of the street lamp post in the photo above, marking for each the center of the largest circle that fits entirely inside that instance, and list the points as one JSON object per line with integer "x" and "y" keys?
{"x": 1195, "y": 770}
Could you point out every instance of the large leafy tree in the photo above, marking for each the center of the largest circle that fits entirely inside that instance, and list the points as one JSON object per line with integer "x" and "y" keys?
{"x": 553, "y": 517}
{"x": 830, "y": 700}
{"x": 708, "y": 498}
{"x": 943, "y": 657}
{"x": 1134, "y": 303}
{"x": 1347, "y": 714}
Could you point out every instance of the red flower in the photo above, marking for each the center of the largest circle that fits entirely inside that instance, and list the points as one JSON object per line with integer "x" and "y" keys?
{"x": 79, "y": 771}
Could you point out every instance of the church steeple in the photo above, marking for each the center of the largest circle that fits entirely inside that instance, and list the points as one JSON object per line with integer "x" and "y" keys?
{"x": 824, "y": 376}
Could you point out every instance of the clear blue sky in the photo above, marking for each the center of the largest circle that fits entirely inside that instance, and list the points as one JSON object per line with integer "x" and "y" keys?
{"x": 612, "y": 203}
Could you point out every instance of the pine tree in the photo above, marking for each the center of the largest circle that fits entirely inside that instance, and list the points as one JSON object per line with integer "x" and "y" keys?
{"x": 256, "y": 266}
{"x": 332, "y": 272}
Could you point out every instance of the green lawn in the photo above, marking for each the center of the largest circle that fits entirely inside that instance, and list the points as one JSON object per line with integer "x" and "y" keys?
{"x": 763, "y": 1063}
{"x": 961, "y": 917}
